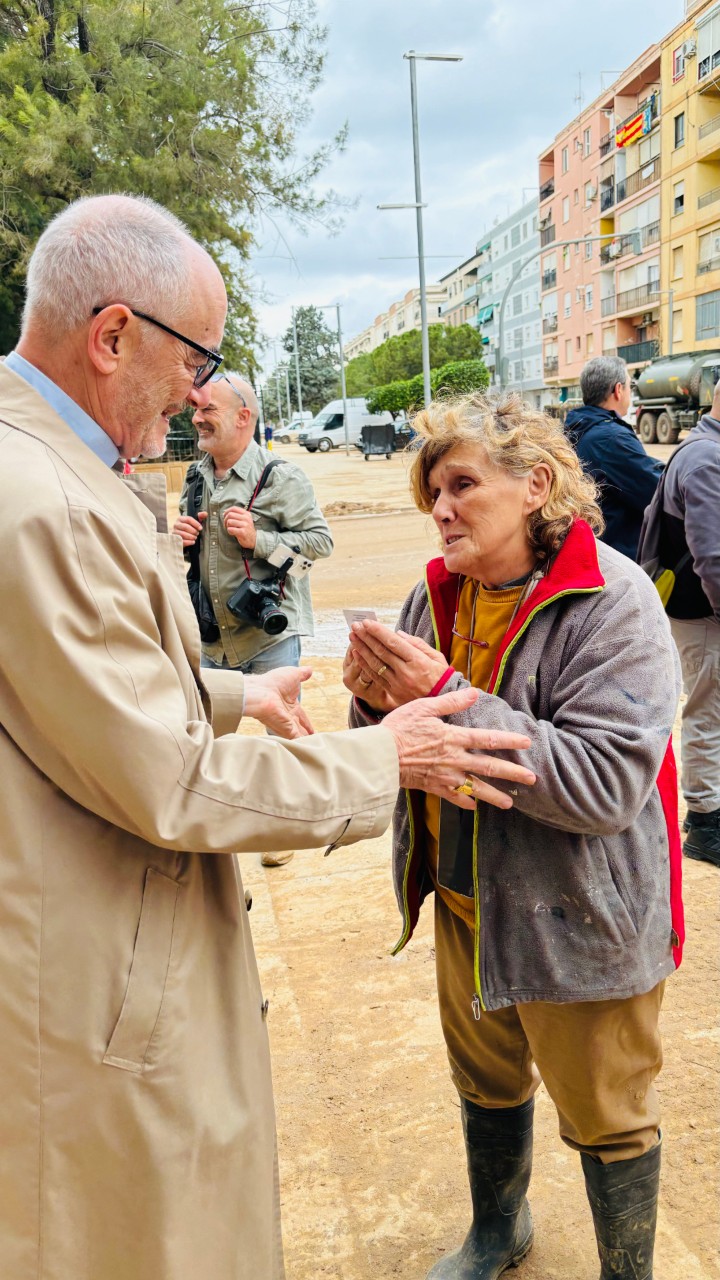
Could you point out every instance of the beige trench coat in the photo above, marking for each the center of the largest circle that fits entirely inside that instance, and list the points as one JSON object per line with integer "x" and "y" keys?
{"x": 137, "y": 1135}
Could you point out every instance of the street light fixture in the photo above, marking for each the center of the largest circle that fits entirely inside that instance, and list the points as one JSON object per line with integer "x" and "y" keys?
{"x": 412, "y": 57}
{"x": 327, "y": 306}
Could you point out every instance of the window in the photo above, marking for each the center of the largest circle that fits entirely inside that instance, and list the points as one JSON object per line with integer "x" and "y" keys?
{"x": 506, "y": 243}
{"x": 566, "y": 257}
{"x": 709, "y": 250}
{"x": 517, "y": 339}
{"x": 576, "y": 196}
{"x": 678, "y": 197}
{"x": 578, "y": 343}
{"x": 587, "y": 142}
{"x": 678, "y": 63}
{"x": 567, "y": 307}
{"x": 517, "y": 304}
{"x": 678, "y": 269}
{"x": 515, "y": 237}
{"x": 568, "y": 351}
{"x": 609, "y": 340}
{"x": 590, "y": 193}
{"x": 588, "y": 249}
{"x": 535, "y": 224}
{"x": 588, "y": 297}
{"x": 679, "y": 125}
{"x": 677, "y": 323}
{"x": 525, "y": 231}
{"x": 565, "y": 160}
{"x": 707, "y": 315}
{"x": 566, "y": 209}
{"x": 518, "y": 371}
{"x": 708, "y": 42}
{"x": 590, "y": 344}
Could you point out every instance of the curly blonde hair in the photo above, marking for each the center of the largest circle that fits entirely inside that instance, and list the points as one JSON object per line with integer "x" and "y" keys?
{"x": 515, "y": 438}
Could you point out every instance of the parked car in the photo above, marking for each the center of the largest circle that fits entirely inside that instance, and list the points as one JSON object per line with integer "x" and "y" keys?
{"x": 297, "y": 423}
{"x": 327, "y": 429}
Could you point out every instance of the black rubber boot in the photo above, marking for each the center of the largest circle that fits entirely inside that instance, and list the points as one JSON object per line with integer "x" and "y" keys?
{"x": 499, "y": 1154}
{"x": 623, "y": 1197}
{"x": 703, "y": 839}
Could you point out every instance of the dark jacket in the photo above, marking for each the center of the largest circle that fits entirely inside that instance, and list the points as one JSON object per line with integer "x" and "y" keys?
{"x": 577, "y": 887}
{"x": 691, "y": 522}
{"x": 612, "y": 454}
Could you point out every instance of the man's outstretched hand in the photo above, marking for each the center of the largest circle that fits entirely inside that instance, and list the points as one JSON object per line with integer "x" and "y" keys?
{"x": 272, "y": 698}
{"x": 437, "y": 757}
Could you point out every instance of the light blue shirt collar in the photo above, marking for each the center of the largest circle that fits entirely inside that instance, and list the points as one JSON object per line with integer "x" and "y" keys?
{"x": 76, "y": 418}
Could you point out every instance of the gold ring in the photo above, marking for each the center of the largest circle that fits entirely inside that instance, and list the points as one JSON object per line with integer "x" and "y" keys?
{"x": 381, "y": 670}
{"x": 366, "y": 682}
{"x": 465, "y": 788}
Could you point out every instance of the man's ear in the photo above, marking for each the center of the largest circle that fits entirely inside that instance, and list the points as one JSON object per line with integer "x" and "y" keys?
{"x": 113, "y": 336}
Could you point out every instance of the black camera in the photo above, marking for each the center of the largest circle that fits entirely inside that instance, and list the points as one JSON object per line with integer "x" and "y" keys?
{"x": 257, "y": 604}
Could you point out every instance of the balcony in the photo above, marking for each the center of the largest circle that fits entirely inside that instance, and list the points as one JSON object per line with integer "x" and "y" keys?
{"x": 550, "y": 324}
{"x": 637, "y": 352}
{"x": 637, "y": 181}
{"x": 547, "y": 189}
{"x": 549, "y": 279}
{"x": 709, "y": 198}
{"x": 551, "y": 364}
{"x": 607, "y": 197}
{"x": 709, "y": 127}
{"x": 628, "y": 243}
{"x": 635, "y": 299}
{"x": 606, "y": 143}
{"x": 547, "y": 235}
{"x": 708, "y": 264}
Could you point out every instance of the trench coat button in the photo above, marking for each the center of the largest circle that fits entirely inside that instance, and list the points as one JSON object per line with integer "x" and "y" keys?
{"x": 264, "y": 1009}
{"x": 248, "y": 899}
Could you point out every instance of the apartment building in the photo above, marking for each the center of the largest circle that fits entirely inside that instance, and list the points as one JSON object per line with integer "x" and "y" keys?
{"x": 399, "y": 318}
{"x": 690, "y": 254}
{"x": 514, "y": 241}
{"x": 600, "y": 223}
{"x": 460, "y": 284}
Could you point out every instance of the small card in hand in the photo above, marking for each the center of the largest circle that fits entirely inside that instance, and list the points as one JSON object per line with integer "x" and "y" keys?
{"x": 456, "y": 843}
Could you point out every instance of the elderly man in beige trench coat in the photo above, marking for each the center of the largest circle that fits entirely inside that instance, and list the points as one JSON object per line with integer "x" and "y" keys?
{"x": 137, "y": 1137}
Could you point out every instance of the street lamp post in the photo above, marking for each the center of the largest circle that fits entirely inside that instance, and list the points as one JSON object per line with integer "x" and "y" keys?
{"x": 287, "y": 393}
{"x": 297, "y": 363}
{"x": 328, "y": 306}
{"x": 412, "y": 57}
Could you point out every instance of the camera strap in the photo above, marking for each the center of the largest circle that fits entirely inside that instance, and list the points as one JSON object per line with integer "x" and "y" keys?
{"x": 265, "y": 475}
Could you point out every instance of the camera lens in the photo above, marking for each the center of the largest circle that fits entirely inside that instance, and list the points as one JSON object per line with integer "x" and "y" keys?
{"x": 273, "y": 620}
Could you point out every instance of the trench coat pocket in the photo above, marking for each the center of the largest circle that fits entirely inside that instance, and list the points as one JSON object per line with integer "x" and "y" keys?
{"x": 134, "y": 1029}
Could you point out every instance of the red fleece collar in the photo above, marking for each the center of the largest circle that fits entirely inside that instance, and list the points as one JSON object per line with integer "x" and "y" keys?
{"x": 575, "y": 568}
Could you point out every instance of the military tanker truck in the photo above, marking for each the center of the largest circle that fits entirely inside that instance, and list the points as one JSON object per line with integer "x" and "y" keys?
{"x": 673, "y": 393}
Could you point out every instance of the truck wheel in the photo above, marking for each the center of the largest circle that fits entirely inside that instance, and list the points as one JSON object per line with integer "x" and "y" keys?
{"x": 389, "y": 457}
{"x": 324, "y": 445}
{"x": 367, "y": 457}
{"x": 667, "y": 432}
{"x": 646, "y": 427}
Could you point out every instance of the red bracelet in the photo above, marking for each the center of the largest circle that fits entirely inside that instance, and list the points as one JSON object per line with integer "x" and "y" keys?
{"x": 440, "y": 685}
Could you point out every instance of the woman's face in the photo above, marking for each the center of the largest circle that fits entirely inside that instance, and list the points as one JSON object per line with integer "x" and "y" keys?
{"x": 482, "y": 512}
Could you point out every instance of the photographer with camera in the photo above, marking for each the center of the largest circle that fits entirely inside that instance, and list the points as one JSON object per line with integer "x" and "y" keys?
{"x": 243, "y": 516}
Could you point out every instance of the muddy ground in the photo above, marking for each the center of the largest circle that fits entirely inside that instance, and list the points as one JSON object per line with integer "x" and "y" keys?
{"x": 371, "y": 1158}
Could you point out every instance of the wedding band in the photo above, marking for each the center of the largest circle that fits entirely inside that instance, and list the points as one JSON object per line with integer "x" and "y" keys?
{"x": 466, "y": 788}
{"x": 381, "y": 670}
{"x": 366, "y": 682}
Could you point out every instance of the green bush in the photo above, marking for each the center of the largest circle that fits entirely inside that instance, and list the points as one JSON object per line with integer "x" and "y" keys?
{"x": 457, "y": 377}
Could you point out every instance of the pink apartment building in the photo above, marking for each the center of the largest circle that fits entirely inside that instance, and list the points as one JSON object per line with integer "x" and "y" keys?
{"x": 601, "y": 178}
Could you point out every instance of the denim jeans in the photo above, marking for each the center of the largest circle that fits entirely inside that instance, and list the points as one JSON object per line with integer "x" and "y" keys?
{"x": 286, "y": 653}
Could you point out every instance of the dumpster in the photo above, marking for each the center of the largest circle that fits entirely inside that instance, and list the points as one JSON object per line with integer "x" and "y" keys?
{"x": 377, "y": 438}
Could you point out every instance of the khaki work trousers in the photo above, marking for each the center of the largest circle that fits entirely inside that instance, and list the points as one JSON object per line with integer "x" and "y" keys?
{"x": 597, "y": 1058}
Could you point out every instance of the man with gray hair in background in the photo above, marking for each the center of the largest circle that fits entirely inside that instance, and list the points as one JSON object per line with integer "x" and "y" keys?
{"x": 611, "y": 452}
{"x": 238, "y": 531}
{"x": 137, "y": 1133}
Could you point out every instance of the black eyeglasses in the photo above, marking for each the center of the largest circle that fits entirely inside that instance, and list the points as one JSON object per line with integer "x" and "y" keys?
{"x": 203, "y": 372}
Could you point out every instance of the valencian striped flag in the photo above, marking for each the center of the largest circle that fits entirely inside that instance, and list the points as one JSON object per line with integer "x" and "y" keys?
{"x": 633, "y": 129}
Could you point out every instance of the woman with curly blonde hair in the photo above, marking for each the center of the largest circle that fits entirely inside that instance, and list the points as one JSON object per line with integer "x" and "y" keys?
{"x": 557, "y": 918}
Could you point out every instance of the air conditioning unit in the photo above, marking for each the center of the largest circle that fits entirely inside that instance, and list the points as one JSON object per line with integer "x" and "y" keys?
{"x": 648, "y": 318}
{"x": 689, "y": 49}
{"x": 545, "y": 221}
{"x": 592, "y": 193}
{"x": 614, "y": 249}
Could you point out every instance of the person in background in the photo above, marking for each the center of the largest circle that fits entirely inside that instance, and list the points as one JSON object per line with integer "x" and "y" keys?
{"x": 137, "y": 1128}
{"x": 235, "y": 542}
{"x": 268, "y": 433}
{"x": 611, "y": 452}
{"x": 690, "y": 540}
{"x": 556, "y": 921}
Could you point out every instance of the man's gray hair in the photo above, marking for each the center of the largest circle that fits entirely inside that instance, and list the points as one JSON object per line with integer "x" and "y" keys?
{"x": 600, "y": 377}
{"x": 105, "y": 249}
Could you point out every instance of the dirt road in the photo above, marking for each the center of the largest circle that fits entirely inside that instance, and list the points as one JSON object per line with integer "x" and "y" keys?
{"x": 371, "y": 1159}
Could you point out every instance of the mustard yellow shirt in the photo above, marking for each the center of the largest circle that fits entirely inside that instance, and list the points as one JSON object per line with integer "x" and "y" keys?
{"x": 493, "y": 611}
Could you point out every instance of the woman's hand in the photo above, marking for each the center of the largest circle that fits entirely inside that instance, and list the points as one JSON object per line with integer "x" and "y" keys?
{"x": 401, "y": 666}
{"x": 356, "y": 679}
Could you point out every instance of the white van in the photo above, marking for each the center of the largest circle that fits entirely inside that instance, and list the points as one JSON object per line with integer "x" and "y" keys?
{"x": 298, "y": 422}
{"x": 327, "y": 429}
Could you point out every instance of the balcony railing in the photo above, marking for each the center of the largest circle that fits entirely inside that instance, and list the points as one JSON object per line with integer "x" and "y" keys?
{"x": 709, "y": 198}
{"x": 635, "y": 352}
{"x": 606, "y": 143}
{"x": 636, "y": 298}
{"x": 607, "y": 197}
{"x": 549, "y": 279}
{"x": 607, "y": 306}
{"x": 708, "y": 264}
{"x": 547, "y": 189}
{"x": 547, "y": 235}
{"x": 709, "y": 127}
{"x": 551, "y": 364}
{"x": 642, "y": 177}
{"x": 550, "y": 324}
{"x": 632, "y": 242}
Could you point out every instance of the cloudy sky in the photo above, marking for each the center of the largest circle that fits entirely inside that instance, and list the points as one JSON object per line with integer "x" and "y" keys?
{"x": 483, "y": 123}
